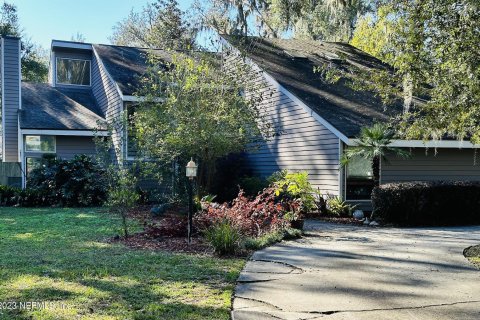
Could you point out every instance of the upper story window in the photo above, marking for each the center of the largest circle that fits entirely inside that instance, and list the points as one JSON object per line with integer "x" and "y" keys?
{"x": 73, "y": 71}
{"x": 44, "y": 144}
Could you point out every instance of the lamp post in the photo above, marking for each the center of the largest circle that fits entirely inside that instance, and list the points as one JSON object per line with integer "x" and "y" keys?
{"x": 191, "y": 172}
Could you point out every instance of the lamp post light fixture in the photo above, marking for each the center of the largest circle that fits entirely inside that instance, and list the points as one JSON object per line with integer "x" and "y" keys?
{"x": 191, "y": 173}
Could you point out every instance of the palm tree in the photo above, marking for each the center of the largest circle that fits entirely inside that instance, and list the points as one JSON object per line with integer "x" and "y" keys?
{"x": 373, "y": 145}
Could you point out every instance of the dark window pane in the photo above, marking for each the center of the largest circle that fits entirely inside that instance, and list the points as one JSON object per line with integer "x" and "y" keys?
{"x": 70, "y": 71}
{"x": 359, "y": 179}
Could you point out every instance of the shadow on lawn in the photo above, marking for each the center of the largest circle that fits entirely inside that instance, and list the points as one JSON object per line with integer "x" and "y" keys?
{"x": 59, "y": 263}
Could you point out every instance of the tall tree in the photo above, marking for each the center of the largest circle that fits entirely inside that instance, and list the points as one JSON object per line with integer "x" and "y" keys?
{"x": 33, "y": 58}
{"x": 161, "y": 24}
{"x": 434, "y": 46}
{"x": 194, "y": 109}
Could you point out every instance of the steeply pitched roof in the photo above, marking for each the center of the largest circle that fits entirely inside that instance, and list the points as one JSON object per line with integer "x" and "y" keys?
{"x": 45, "y": 107}
{"x": 291, "y": 63}
{"x": 126, "y": 65}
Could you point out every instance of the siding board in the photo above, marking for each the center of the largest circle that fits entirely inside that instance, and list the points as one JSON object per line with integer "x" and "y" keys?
{"x": 303, "y": 144}
{"x": 447, "y": 164}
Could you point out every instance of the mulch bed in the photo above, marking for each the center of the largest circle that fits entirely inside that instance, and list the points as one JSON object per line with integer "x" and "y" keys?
{"x": 170, "y": 224}
{"x": 173, "y": 244}
{"x": 341, "y": 220}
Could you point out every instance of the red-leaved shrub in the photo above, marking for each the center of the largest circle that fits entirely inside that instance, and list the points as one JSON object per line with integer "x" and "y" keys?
{"x": 255, "y": 217}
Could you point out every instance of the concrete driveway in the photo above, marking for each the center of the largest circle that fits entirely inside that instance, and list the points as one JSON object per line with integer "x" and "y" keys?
{"x": 346, "y": 272}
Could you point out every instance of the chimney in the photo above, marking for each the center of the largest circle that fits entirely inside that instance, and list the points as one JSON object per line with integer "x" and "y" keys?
{"x": 11, "y": 97}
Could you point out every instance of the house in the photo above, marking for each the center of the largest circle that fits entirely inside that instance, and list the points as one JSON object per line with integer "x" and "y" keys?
{"x": 89, "y": 85}
{"x": 318, "y": 120}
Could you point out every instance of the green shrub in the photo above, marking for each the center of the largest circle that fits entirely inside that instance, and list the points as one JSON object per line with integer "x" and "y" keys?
{"x": 296, "y": 186}
{"x": 8, "y": 195}
{"x": 224, "y": 238}
{"x": 76, "y": 182}
{"x": 427, "y": 203}
{"x": 272, "y": 238}
{"x": 337, "y": 207}
{"x": 252, "y": 185}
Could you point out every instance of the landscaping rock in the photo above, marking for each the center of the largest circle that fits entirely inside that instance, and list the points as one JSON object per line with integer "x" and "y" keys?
{"x": 358, "y": 214}
{"x": 160, "y": 209}
{"x": 374, "y": 224}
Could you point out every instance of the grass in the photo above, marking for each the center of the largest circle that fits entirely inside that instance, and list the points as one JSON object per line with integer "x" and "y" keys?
{"x": 60, "y": 257}
{"x": 473, "y": 254}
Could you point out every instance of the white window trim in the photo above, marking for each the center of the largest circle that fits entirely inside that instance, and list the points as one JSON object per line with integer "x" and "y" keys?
{"x": 81, "y": 133}
{"x": 72, "y": 84}
{"x": 40, "y": 151}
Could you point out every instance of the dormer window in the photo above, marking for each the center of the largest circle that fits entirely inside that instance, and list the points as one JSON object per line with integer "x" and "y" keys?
{"x": 73, "y": 71}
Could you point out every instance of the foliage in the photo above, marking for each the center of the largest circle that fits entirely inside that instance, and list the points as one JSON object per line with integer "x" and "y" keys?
{"x": 427, "y": 203}
{"x": 33, "y": 60}
{"x": 337, "y": 207}
{"x": 373, "y": 34}
{"x": 224, "y": 237}
{"x": 202, "y": 115}
{"x": 7, "y": 195}
{"x": 428, "y": 43}
{"x": 62, "y": 255}
{"x": 161, "y": 24}
{"x": 76, "y": 182}
{"x": 271, "y": 238}
{"x": 252, "y": 185}
{"x": 319, "y": 20}
{"x": 251, "y": 217}
{"x": 294, "y": 185}
{"x": 373, "y": 144}
{"x": 122, "y": 196}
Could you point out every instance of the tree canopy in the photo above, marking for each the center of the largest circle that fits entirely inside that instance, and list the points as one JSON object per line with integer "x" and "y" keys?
{"x": 161, "y": 24}
{"x": 33, "y": 58}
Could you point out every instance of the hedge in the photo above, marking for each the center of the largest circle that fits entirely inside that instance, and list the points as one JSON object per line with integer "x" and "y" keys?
{"x": 427, "y": 203}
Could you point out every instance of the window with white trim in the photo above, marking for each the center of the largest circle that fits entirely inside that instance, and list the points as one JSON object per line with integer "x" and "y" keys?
{"x": 40, "y": 144}
{"x": 73, "y": 71}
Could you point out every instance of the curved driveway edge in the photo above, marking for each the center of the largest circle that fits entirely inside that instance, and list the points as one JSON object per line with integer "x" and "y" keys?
{"x": 348, "y": 272}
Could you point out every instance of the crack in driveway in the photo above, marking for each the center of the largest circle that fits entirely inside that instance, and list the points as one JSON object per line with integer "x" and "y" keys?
{"x": 330, "y": 312}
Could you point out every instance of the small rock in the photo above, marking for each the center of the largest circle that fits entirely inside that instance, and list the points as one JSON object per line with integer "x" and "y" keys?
{"x": 358, "y": 214}
{"x": 366, "y": 222}
{"x": 159, "y": 210}
{"x": 374, "y": 224}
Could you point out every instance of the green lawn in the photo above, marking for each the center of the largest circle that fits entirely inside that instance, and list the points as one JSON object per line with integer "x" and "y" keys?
{"x": 60, "y": 256}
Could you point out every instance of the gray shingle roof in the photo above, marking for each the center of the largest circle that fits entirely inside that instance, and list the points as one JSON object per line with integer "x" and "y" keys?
{"x": 127, "y": 65}
{"x": 291, "y": 63}
{"x": 45, "y": 107}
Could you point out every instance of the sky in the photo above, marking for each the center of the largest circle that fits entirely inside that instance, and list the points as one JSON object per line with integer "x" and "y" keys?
{"x": 44, "y": 20}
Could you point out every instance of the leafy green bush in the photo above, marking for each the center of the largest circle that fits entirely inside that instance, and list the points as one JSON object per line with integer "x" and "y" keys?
{"x": 224, "y": 237}
{"x": 8, "y": 195}
{"x": 252, "y": 185}
{"x": 272, "y": 238}
{"x": 295, "y": 185}
{"x": 337, "y": 207}
{"x": 427, "y": 203}
{"x": 76, "y": 182}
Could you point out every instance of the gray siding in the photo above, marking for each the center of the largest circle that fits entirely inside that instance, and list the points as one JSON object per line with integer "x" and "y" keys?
{"x": 69, "y": 146}
{"x": 108, "y": 97}
{"x": 10, "y": 97}
{"x": 424, "y": 165}
{"x": 302, "y": 143}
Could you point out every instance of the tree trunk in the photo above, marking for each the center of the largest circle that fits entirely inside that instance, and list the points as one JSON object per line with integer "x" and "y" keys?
{"x": 376, "y": 171}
